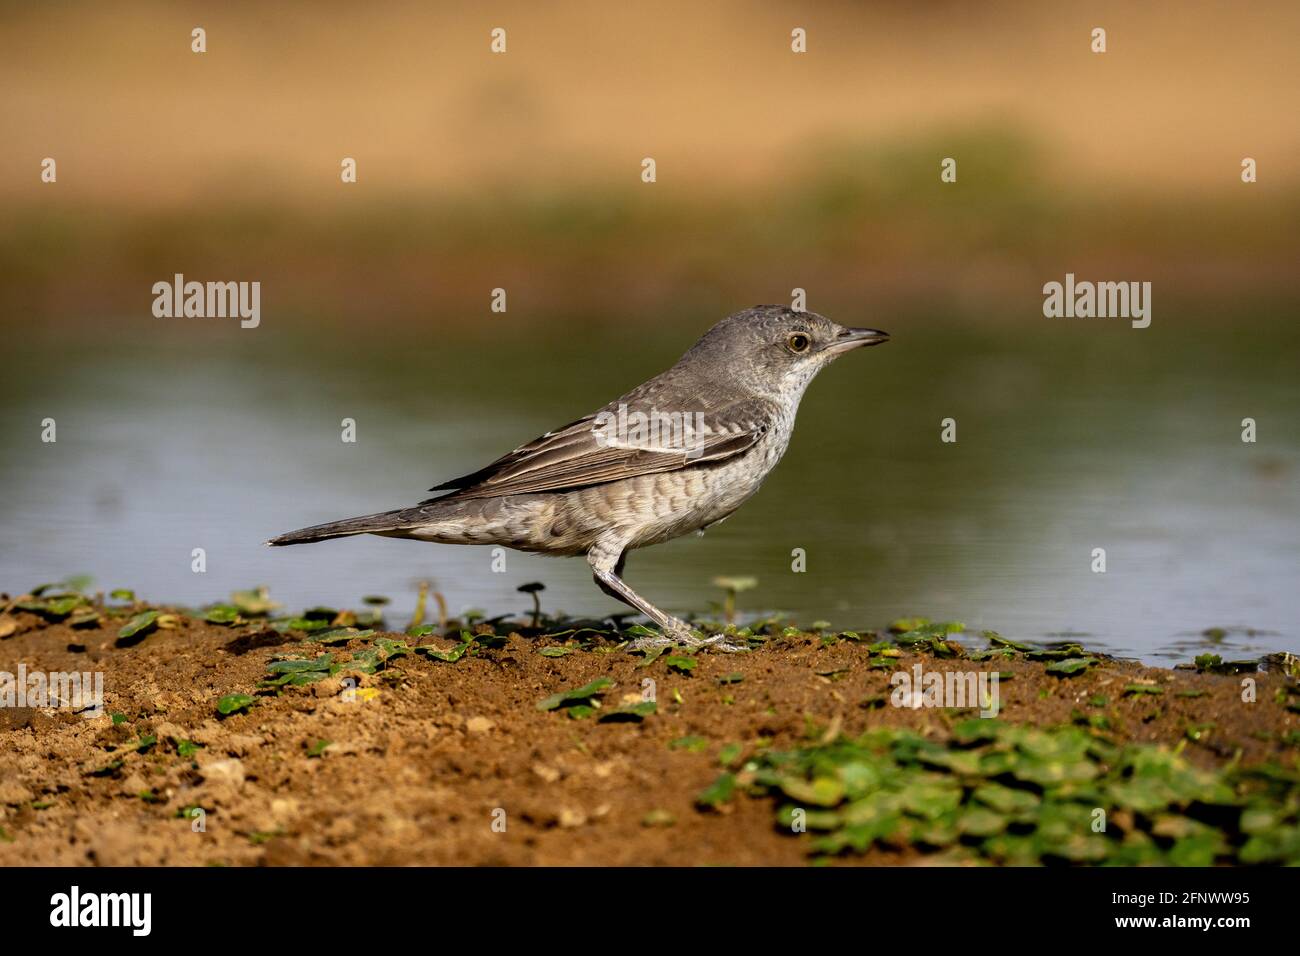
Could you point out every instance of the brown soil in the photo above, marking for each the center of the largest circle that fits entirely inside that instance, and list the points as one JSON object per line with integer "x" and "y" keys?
{"x": 414, "y": 774}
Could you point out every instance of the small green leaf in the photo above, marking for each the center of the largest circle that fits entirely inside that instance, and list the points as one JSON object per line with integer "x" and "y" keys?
{"x": 85, "y": 617}
{"x": 308, "y": 625}
{"x": 139, "y": 625}
{"x": 904, "y": 624}
{"x": 390, "y": 649}
{"x": 1070, "y": 666}
{"x": 718, "y": 792}
{"x": 651, "y": 655}
{"x": 298, "y": 664}
{"x": 682, "y": 663}
{"x": 993, "y": 637}
{"x": 56, "y": 607}
{"x": 367, "y": 661}
{"x": 341, "y": 635}
{"x": 232, "y": 703}
{"x": 222, "y": 614}
{"x": 577, "y": 695}
{"x": 447, "y": 657}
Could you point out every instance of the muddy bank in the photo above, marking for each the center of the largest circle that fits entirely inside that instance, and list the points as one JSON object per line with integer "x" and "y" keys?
{"x": 344, "y": 743}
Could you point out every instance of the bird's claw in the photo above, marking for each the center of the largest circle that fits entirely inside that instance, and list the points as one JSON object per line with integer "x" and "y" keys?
{"x": 719, "y": 642}
{"x": 683, "y": 635}
{"x": 648, "y": 643}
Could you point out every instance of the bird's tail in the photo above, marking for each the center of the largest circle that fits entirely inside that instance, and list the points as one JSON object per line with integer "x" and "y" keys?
{"x": 366, "y": 524}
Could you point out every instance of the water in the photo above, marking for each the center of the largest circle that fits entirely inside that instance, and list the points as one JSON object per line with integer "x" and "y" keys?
{"x": 1070, "y": 437}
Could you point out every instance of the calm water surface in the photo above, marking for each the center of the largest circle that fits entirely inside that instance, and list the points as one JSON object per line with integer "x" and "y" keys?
{"x": 1070, "y": 438}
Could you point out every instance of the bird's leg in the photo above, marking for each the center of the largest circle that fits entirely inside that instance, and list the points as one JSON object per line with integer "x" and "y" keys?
{"x": 606, "y": 570}
{"x": 675, "y": 631}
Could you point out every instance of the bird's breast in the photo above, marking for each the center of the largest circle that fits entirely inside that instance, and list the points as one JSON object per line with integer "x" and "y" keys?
{"x": 660, "y": 507}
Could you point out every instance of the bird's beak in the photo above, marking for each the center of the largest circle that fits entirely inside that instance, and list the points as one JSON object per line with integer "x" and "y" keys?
{"x": 856, "y": 338}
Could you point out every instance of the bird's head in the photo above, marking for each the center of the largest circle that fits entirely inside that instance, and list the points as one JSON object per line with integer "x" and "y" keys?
{"x": 776, "y": 349}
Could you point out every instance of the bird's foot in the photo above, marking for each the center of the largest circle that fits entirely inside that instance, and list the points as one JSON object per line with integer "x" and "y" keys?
{"x": 649, "y": 643}
{"x": 719, "y": 642}
{"x": 681, "y": 634}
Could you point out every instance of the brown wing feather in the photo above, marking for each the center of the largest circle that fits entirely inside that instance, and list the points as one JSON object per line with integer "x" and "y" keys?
{"x": 572, "y": 457}
{"x": 559, "y": 438}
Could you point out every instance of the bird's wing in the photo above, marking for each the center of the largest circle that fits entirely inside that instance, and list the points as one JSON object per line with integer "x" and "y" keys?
{"x": 594, "y": 450}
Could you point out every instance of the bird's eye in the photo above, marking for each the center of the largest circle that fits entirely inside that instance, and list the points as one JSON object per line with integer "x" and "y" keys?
{"x": 798, "y": 342}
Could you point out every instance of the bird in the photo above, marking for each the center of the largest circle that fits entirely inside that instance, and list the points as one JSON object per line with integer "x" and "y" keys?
{"x": 675, "y": 455}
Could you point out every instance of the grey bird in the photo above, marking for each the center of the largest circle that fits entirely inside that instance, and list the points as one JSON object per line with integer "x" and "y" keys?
{"x": 674, "y": 455}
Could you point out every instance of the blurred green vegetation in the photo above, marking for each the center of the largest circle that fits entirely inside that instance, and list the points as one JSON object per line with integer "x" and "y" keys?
{"x": 849, "y": 222}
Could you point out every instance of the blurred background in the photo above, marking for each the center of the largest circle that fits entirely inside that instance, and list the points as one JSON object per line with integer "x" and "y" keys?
{"x": 775, "y": 171}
